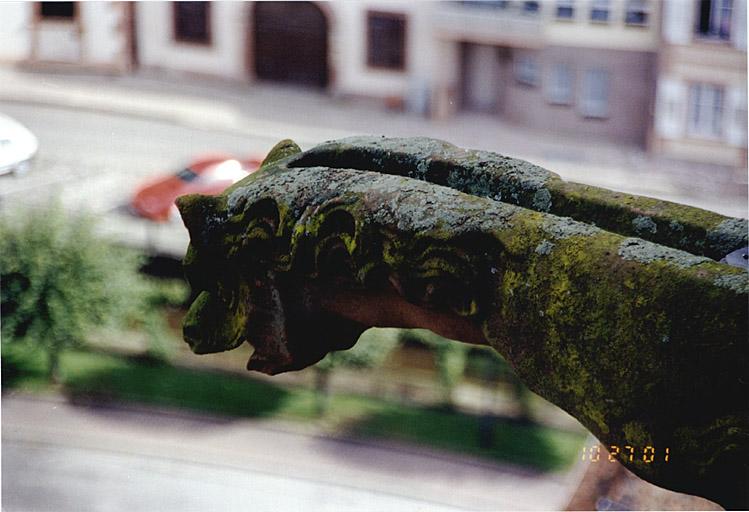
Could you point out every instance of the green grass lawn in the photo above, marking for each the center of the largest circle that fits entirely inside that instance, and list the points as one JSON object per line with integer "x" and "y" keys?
{"x": 101, "y": 376}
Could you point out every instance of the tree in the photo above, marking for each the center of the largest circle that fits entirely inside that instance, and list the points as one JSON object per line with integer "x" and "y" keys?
{"x": 58, "y": 281}
{"x": 370, "y": 351}
{"x": 492, "y": 368}
{"x": 449, "y": 359}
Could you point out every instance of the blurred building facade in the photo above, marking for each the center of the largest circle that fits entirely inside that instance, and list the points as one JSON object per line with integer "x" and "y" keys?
{"x": 701, "y": 107}
{"x": 569, "y": 66}
{"x": 668, "y": 75}
{"x": 90, "y": 35}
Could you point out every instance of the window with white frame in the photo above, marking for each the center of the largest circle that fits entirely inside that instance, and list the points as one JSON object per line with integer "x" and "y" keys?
{"x": 559, "y": 89}
{"x": 714, "y": 19}
{"x": 599, "y": 11}
{"x": 526, "y": 69}
{"x": 637, "y": 13}
{"x": 565, "y": 9}
{"x": 594, "y": 97}
{"x": 706, "y": 110}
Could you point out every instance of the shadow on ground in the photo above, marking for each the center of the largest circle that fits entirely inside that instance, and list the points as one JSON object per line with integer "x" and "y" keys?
{"x": 99, "y": 380}
{"x": 178, "y": 387}
{"x": 91, "y": 378}
{"x": 493, "y": 438}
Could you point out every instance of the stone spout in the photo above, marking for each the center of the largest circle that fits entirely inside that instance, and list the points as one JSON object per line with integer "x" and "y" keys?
{"x": 612, "y": 306}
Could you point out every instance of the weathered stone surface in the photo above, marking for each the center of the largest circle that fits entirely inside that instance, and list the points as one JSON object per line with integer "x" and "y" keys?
{"x": 516, "y": 181}
{"x": 646, "y": 345}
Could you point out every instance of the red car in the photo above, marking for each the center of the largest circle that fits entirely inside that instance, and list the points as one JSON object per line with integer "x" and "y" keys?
{"x": 210, "y": 174}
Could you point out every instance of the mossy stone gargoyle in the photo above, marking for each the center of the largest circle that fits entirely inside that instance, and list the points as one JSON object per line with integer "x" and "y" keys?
{"x": 612, "y": 306}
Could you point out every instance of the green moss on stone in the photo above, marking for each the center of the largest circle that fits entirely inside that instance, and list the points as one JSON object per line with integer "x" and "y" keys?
{"x": 635, "y": 339}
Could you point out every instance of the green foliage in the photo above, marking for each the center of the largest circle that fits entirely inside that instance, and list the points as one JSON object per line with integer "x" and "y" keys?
{"x": 489, "y": 366}
{"x": 57, "y": 278}
{"x": 58, "y": 281}
{"x": 531, "y": 445}
{"x": 485, "y": 364}
{"x": 449, "y": 358}
{"x": 454, "y": 359}
{"x": 166, "y": 292}
{"x": 97, "y": 376}
{"x": 156, "y": 295}
{"x": 371, "y": 350}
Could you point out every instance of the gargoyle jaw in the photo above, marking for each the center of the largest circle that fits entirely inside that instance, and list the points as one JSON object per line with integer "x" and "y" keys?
{"x": 210, "y": 326}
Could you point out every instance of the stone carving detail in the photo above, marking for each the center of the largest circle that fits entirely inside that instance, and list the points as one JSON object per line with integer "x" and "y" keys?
{"x": 644, "y": 343}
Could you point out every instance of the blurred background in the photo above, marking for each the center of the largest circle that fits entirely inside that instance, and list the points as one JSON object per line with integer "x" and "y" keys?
{"x": 110, "y": 110}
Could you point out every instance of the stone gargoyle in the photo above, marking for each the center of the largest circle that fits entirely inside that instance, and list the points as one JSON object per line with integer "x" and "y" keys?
{"x": 614, "y": 307}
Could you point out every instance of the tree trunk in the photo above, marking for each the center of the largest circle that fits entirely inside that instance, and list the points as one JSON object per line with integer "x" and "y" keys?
{"x": 53, "y": 366}
{"x": 322, "y": 390}
{"x": 522, "y": 399}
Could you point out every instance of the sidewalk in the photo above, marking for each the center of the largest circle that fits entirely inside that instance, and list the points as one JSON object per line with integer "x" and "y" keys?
{"x": 309, "y": 118}
{"x": 165, "y": 450}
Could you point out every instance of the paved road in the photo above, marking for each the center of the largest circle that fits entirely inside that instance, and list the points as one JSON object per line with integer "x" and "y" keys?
{"x": 60, "y": 457}
{"x": 273, "y": 112}
{"x": 94, "y": 161}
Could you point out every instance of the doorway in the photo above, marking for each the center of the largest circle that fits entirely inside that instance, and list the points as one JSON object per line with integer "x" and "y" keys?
{"x": 290, "y": 41}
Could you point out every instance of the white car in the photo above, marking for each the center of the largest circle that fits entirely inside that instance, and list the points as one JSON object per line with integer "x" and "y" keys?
{"x": 17, "y": 146}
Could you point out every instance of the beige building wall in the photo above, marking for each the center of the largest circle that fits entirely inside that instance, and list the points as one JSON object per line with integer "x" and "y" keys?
{"x": 230, "y": 54}
{"x": 104, "y": 41}
{"x": 616, "y": 34}
{"x": 493, "y": 41}
{"x": 457, "y": 56}
{"x": 15, "y": 36}
{"x": 225, "y": 55}
{"x": 96, "y": 36}
{"x": 353, "y": 76}
{"x": 630, "y": 90}
{"x": 690, "y": 65}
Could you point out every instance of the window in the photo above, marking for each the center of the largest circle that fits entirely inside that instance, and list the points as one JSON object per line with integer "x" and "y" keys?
{"x": 192, "y": 22}
{"x": 57, "y": 10}
{"x": 599, "y": 11}
{"x": 531, "y": 7}
{"x": 595, "y": 93}
{"x": 526, "y": 70}
{"x": 714, "y": 19}
{"x": 187, "y": 174}
{"x": 637, "y": 12}
{"x": 386, "y": 40}
{"x": 706, "y": 110}
{"x": 560, "y": 85}
{"x": 565, "y": 9}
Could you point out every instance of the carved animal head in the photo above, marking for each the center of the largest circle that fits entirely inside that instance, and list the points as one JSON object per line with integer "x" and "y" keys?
{"x": 288, "y": 280}
{"x": 233, "y": 261}
{"x": 642, "y": 342}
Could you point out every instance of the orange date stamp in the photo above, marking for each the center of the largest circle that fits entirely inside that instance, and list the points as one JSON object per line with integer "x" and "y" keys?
{"x": 648, "y": 454}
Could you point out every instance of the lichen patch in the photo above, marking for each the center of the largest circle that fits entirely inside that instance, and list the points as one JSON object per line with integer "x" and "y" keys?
{"x": 636, "y": 249}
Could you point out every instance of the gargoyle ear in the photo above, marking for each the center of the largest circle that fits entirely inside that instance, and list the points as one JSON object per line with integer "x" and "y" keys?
{"x": 283, "y": 149}
{"x": 197, "y": 211}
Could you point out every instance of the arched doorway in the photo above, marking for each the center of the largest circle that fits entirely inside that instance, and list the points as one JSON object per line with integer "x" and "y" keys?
{"x": 290, "y": 41}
